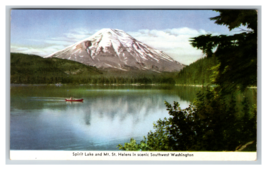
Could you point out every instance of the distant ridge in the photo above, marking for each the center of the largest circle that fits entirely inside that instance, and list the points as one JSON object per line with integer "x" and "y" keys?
{"x": 35, "y": 69}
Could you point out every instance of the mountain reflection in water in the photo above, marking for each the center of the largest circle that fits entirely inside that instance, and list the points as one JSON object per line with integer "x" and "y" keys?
{"x": 40, "y": 119}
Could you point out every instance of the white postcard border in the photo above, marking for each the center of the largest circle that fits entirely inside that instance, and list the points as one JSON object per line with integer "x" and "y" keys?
{"x": 133, "y": 156}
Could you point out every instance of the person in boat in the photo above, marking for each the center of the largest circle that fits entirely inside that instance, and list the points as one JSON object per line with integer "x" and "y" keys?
{"x": 70, "y": 98}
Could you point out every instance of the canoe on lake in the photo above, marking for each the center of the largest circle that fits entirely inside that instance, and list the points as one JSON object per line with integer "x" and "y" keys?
{"x": 74, "y": 100}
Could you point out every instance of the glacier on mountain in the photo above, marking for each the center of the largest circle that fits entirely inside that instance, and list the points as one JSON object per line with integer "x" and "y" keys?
{"x": 113, "y": 48}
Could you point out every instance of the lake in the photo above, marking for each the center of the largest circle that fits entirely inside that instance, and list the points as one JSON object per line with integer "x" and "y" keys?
{"x": 40, "y": 118}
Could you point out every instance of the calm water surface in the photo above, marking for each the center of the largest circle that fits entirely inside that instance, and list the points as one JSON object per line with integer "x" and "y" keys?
{"x": 40, "y": 119}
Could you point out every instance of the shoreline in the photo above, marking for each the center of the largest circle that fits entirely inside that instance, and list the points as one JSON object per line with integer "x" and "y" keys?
{"x": 92, "y": 84}
{"x": 58, "y": 85}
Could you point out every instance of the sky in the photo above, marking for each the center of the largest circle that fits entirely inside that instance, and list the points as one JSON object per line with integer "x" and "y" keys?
{"x": 43, "y": 32}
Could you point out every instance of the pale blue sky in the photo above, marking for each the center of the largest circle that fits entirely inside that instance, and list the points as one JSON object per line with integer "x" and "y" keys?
{"x": 43, "y": 32}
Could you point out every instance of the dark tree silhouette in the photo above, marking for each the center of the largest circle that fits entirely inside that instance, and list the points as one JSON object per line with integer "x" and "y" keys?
{"x": 236, "y": 53}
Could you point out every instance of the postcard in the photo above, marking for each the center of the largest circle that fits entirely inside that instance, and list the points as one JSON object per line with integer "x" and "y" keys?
{"x": 155, "y": 84}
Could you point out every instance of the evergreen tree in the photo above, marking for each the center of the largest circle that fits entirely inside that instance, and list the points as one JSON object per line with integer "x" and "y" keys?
{"x": 212, "y": 123}
{"x": 236, "y": 53}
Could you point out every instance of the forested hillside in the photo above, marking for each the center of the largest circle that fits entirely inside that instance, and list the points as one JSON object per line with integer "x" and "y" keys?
{"x": 35, "y": 69}
{"x": 199, "y": 72}
{"x": 32, "y": 69}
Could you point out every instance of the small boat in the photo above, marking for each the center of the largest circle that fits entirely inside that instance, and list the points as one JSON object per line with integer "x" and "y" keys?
{"x": 73, "y": 100}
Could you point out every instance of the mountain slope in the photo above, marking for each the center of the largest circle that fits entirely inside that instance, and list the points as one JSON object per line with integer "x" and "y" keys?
{"x": 115, "y": 49}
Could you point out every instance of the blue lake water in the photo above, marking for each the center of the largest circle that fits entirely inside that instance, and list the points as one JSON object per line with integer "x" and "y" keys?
{"x": 40, "y": 119}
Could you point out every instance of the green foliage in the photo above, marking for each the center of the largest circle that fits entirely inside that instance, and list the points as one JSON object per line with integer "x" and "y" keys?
{"x": 133, "y": 146}
{"x": 199, "y": 72}
{"x": 235, "y": 18}
{"x": 212, "y": 123}
{"x": 215, "y": 121}
{"x": 237, "y": 54}
{"x": 155, "y": 141}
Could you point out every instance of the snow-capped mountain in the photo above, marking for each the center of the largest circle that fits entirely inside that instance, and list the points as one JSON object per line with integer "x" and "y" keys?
{"x": 115, "y": 49}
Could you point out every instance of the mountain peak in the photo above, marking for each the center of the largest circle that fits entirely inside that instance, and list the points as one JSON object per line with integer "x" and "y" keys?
{"x": 113, "y": 48}
{"x": 108, "y": 30}
{"x": 112, "y": 33}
